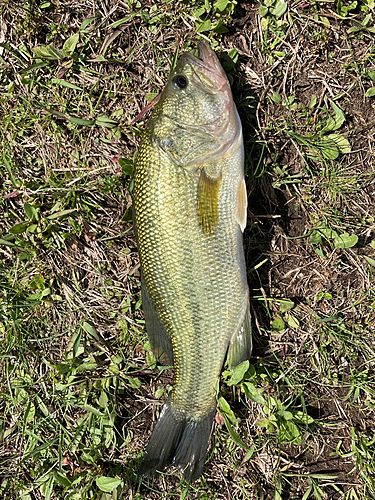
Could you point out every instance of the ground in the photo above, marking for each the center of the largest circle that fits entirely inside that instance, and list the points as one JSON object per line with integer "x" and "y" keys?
{"x": 79, "y": 387}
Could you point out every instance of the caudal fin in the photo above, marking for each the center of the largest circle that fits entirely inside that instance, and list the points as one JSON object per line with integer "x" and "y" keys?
{"x": 179, "y": 440}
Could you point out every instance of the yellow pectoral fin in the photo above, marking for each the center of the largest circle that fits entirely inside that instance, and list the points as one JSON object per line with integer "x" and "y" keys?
{"x": 242, "y": 205}
{"x": 208, "y": 202}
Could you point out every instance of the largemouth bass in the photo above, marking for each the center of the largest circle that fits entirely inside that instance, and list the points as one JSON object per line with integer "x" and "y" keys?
{"x": 190, "y": 206}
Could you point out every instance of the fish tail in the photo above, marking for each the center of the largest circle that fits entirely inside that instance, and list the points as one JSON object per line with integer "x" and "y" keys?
{"x": 180, "y": 439}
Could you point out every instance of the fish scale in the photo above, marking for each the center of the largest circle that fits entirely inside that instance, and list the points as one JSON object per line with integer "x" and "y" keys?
{"x": 189, "y": 237}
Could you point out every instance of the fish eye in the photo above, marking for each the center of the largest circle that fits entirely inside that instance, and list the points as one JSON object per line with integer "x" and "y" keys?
{"x": 179, "y": 81}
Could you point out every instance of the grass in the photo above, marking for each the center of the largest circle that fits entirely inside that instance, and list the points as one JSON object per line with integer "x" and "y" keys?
{"x": 79, "y": 387}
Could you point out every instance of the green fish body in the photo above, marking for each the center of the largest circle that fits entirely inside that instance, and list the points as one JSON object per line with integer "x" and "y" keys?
{"x": 190, "y": 207}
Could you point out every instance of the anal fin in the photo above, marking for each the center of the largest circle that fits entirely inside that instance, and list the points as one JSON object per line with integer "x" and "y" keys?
{"x": 241, "y": 343}
{"x": 160, "y": 341}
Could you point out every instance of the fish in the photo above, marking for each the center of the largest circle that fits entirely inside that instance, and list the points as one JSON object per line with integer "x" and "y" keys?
{"x": 190, "y": 211}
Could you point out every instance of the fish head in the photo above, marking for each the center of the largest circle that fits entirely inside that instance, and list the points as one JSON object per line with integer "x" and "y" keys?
{"x": 196, "y": 117}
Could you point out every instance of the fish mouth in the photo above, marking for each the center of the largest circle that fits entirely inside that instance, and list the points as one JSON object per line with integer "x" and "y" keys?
{"x": 207, "y": 68}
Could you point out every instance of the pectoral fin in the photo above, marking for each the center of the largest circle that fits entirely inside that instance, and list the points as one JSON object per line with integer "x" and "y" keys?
{"x": 242, "y": 205}
{"x": 241, "y": 344}
{"x": 160, "y": 341}
{"x": 208, "y": 202}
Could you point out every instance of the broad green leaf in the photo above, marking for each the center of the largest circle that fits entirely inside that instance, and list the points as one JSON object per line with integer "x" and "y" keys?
{"x": 334, "y": 121}
{"x": 42, "y": 52}
{"x": 371, "y": 91}
{"x": 26, "y": 255}
{"x": 199, "y": 12}
{"x": 48, "y": 52}
{"x": 58, "y": 54}
{"x": 159, "y": 392}
{"x": 42, "y": 406}
{"x": 122, "y": 21}
{"x": 288, "y": 432}
{"x": 234, "y": 435}
{"x": 253, "y": 393}
{"x": 278, "y": 325}
{"x": 327, "y": 232}
{"x": 32, "y": 228}
{"x": 107, "y": 484}
{"x": 292, "y": 321}
{"x": 108, "y": 40}
{"x": 345, "y": 240}
{"x": 114, "y": 369}
{"x": 224, "y": 405}
{"x": 329, "y": 149}
{"x": 57, "y": 215}
{"x": 204, "y": 26}
{"x": 103, "y": 399}
{"x": 19, "y": 228}
{"x": 286, "y": 415}
{"x": 9, "y": 169}
{"x": 150, "y": 359}
{"x": 276, "y": 98}
{"x": 371, "y": 75}
{"x": 30, "y": 212}
{"x": 286, "y": 305}
{"x": 249, "y": 454}
{"x": 128, "y": 215}
{"x": 340, "y": 141}
{"x": 105, "y": 121}
{"x": 302, "y": 417}
{"x": 86, "y": 22}
{"x": 47, "y": 487}
{"x": 338, "y": 112}
{"x": 221, "y": 5}
{"x": 134, "y": 382}
{"x": 320, "y": 253}
{"x": 313, "y": 101}
{"x": 88, "y": 365}
{"x": 325, "y": 21}
{"x": 278, "y": 489}
{"x": 61, "y": 479}
{"x": 233, "y": 55}
{"x": 263, "y": 23}
{"x": 150, "y": 96}
{"x": 315, "y": 237}
{"x": 63, "y": 83}
{"x": 80, "y": 121}
{"x": 92, "y": 410}
{"x": 269, "y": 423}
{"x": 238, "y": 373}
{"x": 90, "y": 330}
{"x": 76, "y": 340}
{"x": 127, "y": 166}
{"x": 29, "y": 413}
{"x": 370, "y": 261}
{"x": 366, "y": 20}
{"x": 70, "y": 45}
{"x": 280, "y": 9}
